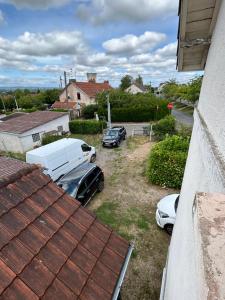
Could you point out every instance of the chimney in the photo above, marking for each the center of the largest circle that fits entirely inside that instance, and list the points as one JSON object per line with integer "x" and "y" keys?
{"x": 91, "y": 77}
{"x": 106, "y": 81}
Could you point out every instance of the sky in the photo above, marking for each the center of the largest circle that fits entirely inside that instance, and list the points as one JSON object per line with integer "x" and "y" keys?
{"x": 40, "y": 39}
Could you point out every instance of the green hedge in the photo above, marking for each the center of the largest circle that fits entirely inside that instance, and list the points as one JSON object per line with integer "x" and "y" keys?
{"x": 165, "y": 127}
{"x": 167, "y": 161}
{"x": 88, "y": 112}
{"x": 87, "y": 126}
{"x": 51, "y": 138}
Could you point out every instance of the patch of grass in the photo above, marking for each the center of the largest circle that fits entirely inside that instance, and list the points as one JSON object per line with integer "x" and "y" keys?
{"x": 107, "y": 213}
{"x": 19, "y": 156}
{"x": 134, "y": 141}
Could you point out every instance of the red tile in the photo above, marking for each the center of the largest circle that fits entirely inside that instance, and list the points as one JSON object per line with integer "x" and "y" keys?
{"x": 75, "y": 230}
{"x": 118, "y": 244}
{"x": 10, "y": 197}
{"x": 73, "y": 277}
{"x": 100, "y": 231}
{"x": 37, "y": 276}
{"x": 46, "y": 225}
{"x": 16, "y": 255}
{"x": 112, "y": 260}
{"x": 33, "y": 239}
{"x": 92, "y": 291}
{"x": 83, "y": 217}
{"x": 19, "y": 291}
{"x": 14, "y": 222}
{"x": 39, "y": 179}
{"x": 58, "y": 291}
{"x": 83, "y": 259}
{"x": 92, "y": 244}
{"x": 29, "y": 211}
{"x": 68, "y": 204}
{"x": 104, "y": 277}
{"x": 52, "y": 258}
{"x": 6, "y": 276}
{"x": 3, "y": 209}
{"x": 41, "y": 199}
{"x": 5, "y": 236}
{"x": 53, "y": 189}
{"x": 64, "y": 242}
{"x": 57, "y": 214}
{"x": 25, "y": 187}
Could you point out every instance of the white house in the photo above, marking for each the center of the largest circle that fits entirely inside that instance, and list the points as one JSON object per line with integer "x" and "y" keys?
{"x": 135, "y": 89}
{"x": 195, "y": 268}
{"x": 25, "y": 132}
{"x": 77, "y": 94}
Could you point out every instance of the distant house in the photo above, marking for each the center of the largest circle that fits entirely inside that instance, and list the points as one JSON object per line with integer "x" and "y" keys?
{"x": 77, "y": 94}
{"x": 134, "y": 88}
{"x": 159, "y": 90}
{"x": 24, "y": 132}
{"x": 52, "y": 248}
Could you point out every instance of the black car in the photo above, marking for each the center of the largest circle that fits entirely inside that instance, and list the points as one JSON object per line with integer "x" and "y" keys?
{"x": 114, "y": 136}
{"x": 83, "y": 182}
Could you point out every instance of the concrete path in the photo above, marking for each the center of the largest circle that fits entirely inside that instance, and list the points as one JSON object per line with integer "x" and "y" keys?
{"x": 183, "y": 118}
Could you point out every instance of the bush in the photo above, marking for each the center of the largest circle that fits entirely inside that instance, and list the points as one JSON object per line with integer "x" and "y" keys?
{"x": 88, "y": 112}
{"x": 87, "y": 126}
{"x": 164, "y": 127}
{"x": 50, "y": 139}
{"x": 167, "y": 161}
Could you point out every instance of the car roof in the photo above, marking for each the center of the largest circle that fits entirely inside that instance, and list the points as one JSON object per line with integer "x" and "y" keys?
{"x": 78, "y": 173}
{"x": 117, "y": 127}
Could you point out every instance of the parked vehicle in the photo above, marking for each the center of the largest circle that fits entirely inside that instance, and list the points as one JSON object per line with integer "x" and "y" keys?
{"x": 114, "y": 136}
{"x": 60, "y": 157}
{"x": 166, "y": 212}
{"x": 83, "y": 182}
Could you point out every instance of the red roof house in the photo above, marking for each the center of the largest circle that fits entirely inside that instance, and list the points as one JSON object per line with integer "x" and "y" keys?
{"x": 50, "y": 246}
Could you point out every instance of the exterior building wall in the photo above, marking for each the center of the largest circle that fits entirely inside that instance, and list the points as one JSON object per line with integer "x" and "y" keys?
{"x": 133, "y": 89}
{"x": 72, "y": 93}
{"x": 24, "y": 142}
{"x": 205, "y": 172}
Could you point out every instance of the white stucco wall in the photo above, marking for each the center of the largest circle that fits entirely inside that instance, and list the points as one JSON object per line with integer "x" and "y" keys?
{"x": 205, "y": 172}
{"x": 72, "y": 92}
{"x": 24, "y": 142}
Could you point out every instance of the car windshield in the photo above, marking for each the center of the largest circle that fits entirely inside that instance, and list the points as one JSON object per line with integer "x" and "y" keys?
{"x": 70, "y": 187}
{"x": 176, "y": 203}
{"x": 112, "y": 133}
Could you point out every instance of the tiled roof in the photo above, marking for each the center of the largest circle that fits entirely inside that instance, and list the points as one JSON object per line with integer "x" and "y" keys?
{"x": 50, "y": 246}
{"x": 93, "y": 88}
{"x": 29, "y": 121}
{"x": 64, "y": 105}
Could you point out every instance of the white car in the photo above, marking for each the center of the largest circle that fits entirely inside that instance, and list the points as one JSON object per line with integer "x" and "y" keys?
{"x": 166, "y": 212}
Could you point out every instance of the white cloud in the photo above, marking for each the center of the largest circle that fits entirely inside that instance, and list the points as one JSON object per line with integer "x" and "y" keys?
{"x": 102, "y": 11}
{"x": 168, "y": 50}
{"x": 130, "y": 43}
{"x": 36, "y": 4}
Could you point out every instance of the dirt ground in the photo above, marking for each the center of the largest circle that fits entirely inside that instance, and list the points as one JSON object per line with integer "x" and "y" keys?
{"x": 128, "y": 204}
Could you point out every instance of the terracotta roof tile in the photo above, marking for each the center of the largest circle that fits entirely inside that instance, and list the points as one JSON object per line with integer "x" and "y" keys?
{"x": 58, "y": 291}
{"x": 16, "y": 255}
{"x": 73, "y": 277}
{"x": 93, "y": 291}
{"x": 29, "y": 121}
{"x": 19, "y": 291}
{"x": 6, "y": 276}
{"x": 58, "y": 249}
{"x": 37, "y": 276}
{"x": 93, "y": 88}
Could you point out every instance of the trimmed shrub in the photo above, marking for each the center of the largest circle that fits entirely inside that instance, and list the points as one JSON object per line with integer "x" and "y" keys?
{"x": 88, "y": 112}
{"x": 50, "y": 139}
{"x": 166, "y": 162}
{"x": 87, "y": 126}
{"x": 165, "y": 127}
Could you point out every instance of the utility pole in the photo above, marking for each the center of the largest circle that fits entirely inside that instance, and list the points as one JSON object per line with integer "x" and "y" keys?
{"x": 60, "y": 80}
{"x": 109, "y": 112}
{"x": 65, "y": 80}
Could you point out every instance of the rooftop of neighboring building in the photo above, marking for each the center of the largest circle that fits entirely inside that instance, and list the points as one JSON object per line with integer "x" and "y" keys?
{"x": 29, "y": 121}
{"x": 50, "y": 246}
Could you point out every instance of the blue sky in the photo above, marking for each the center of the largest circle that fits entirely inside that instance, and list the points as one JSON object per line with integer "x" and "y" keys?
{"x": 39, "y": 39}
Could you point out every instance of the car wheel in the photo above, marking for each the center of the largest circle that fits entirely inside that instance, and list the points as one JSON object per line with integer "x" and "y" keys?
{"x": 169, "y": 228}
{"x": 93, "y": 158}
{"x": 101, "y": 186}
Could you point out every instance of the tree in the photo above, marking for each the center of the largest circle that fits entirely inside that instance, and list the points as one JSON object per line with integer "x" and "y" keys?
{"x": 126, "y": 81}
{"x": 170, "y": 89}
{"x": 193, "y": 89}
{"x": 139, "y": 80}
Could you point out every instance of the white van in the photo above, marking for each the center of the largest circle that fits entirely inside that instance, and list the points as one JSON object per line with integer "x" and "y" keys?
{"x": 60, "y": 157}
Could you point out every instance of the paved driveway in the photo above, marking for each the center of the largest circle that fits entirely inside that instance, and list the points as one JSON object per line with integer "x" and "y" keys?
{"x": 183, "y": 118}
{"x": 131, "y": 126}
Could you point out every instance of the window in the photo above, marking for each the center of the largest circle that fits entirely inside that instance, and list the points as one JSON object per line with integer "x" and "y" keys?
{"x": 85, "y": 148}
{"x": 81, "y": 189}
{"x": 60, "y": 128}
{"x": 36, "y": 137}
{"x": 78, "y": 96}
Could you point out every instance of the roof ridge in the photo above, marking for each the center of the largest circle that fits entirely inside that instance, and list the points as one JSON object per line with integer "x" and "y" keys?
{"x": 22, "y": 172}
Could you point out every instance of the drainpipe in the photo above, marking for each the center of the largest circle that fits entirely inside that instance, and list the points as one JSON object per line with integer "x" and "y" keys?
{"x": 122, "y": 273}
